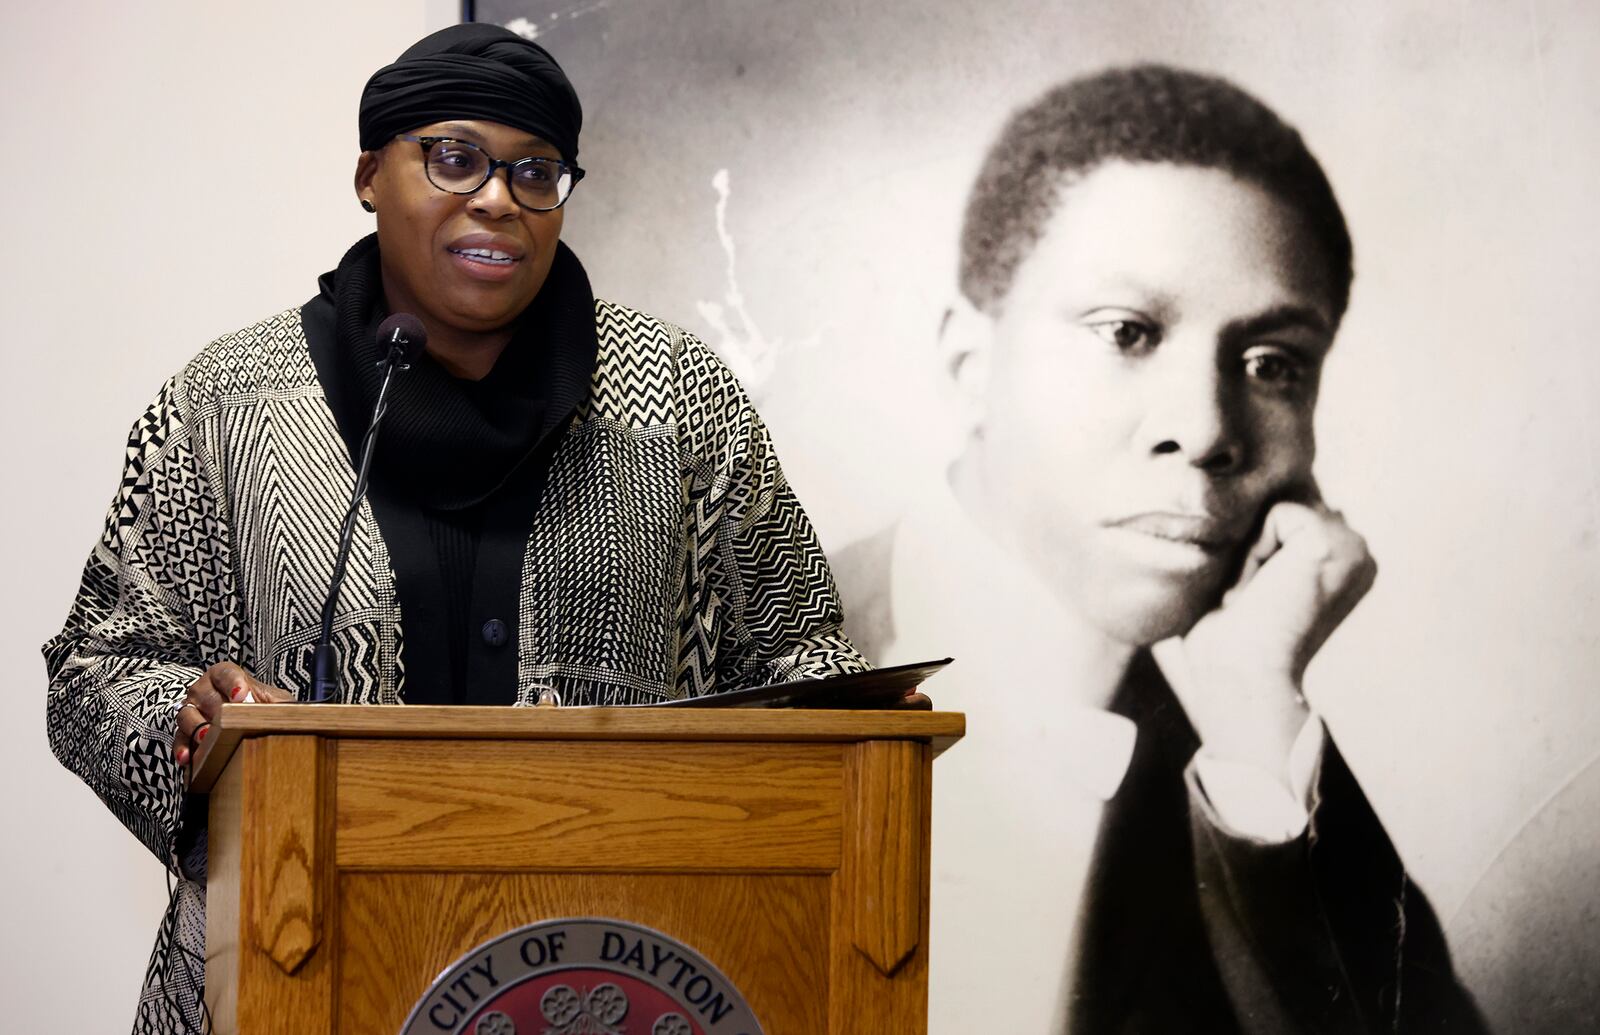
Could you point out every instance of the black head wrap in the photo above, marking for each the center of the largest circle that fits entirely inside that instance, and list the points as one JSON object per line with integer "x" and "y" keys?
{"x": 473, "y": 71}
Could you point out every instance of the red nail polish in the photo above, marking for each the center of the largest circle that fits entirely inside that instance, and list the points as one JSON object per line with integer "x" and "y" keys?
{"x": 200, "y": 734}
{"x": 237, "y": 693}
{"x": 182, "y": 755}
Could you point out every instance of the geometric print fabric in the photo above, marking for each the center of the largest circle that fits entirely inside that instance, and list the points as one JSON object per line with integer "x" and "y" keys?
{"x": 668, "y": 558}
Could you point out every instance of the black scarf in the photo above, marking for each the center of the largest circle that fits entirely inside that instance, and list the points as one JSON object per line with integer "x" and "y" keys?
{"x": 460, "y": 466}
{"x": 448, "y": 443}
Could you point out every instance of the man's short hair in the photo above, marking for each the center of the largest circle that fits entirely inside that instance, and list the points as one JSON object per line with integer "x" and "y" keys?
{"x": 1146, "y": 113}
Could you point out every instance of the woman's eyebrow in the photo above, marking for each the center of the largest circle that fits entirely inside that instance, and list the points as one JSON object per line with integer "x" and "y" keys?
{"x": 458, "y": 129}
{"x": 529, "y": 143}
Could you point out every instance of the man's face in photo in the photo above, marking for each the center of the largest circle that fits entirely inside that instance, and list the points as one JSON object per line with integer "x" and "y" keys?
{"x": 1147, "y": 387}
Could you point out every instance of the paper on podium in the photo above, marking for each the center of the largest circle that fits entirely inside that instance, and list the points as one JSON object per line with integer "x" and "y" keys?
{"x": 877, "y": 688}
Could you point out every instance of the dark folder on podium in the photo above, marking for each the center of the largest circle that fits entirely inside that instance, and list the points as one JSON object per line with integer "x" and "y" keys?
{"x": 876, "y": 688}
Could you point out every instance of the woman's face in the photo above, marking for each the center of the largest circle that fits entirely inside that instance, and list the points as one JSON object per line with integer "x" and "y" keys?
{"x": 468, "y": 263}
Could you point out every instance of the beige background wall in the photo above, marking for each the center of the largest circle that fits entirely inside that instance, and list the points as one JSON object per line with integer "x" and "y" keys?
{"x": 180, "y": 169}
{"x": 173, "y": 171}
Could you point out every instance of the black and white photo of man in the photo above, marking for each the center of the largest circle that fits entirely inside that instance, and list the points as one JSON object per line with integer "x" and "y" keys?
{"x": 1153, "y": 272}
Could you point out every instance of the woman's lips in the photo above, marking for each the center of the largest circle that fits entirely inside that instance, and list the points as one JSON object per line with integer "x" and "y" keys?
{"x": 485, "y": 263}
{"x": 494, "y": 255}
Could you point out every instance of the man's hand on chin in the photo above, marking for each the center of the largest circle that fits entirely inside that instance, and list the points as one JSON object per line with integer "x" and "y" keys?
{"x": 1238, "y": 671}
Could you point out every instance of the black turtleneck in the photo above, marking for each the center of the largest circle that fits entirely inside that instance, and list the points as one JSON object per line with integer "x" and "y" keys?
{"x": 459, "y": 467}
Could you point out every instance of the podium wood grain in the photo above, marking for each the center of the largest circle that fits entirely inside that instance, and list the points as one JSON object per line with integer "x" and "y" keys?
{"x": 238, "y": 722}
{"x": 649, "y": 806}
{"x": 355, "y": 856}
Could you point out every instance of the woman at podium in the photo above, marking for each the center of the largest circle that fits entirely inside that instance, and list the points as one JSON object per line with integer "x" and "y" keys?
{"x": 565, "y": 494}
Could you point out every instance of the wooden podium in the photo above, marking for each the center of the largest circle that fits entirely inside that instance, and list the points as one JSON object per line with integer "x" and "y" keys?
{"x": 356, "y": 852}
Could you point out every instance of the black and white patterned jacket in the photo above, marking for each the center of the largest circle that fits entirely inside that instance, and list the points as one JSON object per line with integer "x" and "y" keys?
{"x": 668, "y": 558}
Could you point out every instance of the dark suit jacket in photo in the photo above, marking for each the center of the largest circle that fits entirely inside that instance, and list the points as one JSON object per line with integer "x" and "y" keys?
{"x": 1186, "y": 928}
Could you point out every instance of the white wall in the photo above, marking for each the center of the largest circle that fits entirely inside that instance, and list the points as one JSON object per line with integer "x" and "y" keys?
{"x": 174, "y": 170}
{"x": 1457, "y": 423}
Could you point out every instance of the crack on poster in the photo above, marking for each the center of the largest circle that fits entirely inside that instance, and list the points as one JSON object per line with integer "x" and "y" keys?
{"x": 529, "y": 28}
{"x": 749, "y": 353}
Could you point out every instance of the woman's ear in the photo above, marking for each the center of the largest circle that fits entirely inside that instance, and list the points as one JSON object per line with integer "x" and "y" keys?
{"x": 366, "y": 171}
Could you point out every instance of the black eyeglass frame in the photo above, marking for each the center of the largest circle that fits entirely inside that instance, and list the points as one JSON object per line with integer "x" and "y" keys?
{"x": 495, "y": 164}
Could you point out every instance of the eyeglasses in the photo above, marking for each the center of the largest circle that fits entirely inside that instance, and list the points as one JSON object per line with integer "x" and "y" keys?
{"x": 458, "y": 167}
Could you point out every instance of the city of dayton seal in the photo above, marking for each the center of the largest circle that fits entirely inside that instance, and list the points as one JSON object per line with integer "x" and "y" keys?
{"x": 584, "y": 976}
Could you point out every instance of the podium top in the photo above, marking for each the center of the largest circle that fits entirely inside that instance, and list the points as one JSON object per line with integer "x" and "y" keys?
{"x": 447, "y": 722}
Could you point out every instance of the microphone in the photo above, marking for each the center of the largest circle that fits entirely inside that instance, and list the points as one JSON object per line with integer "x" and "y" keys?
{"x": 404, "y": 332}
{"x": 402, "y": 339}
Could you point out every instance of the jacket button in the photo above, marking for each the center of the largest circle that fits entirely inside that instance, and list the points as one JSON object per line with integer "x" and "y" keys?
{"x": 495, "y": 633}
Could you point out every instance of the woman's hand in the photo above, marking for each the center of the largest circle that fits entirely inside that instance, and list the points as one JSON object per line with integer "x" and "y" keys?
{"x": 222, "y": 682}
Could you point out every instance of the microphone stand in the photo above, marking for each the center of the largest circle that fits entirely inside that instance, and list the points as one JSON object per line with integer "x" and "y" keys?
{"x": 324, "y": 663}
